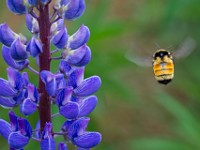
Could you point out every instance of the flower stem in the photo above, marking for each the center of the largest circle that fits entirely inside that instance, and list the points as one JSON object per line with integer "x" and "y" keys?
{"x": 44, "y": 61}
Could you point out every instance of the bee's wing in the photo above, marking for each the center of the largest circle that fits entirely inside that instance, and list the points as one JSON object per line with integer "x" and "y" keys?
{"x": 186, "y": 47}
{"x": 140, "y": 61}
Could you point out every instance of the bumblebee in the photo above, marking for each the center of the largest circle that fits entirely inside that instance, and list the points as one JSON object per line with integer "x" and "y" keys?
{"x": 163, "y": 66}
{"x": 163, "y": 60}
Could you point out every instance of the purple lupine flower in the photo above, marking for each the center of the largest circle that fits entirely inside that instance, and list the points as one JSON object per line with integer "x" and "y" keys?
{"x": 19, "y": 131}
{"x": 34, "y": 47}
{"x": 17, "y": 6}
{"x": 29, "y": 105}
{"x": 20, "y": 65}
{"x": 18, "y": 50}
{"x": 79, "y": 57}
{"x": 73, "y": 9}
{"x": 47, "y": 139}
{"x": 66, "y": 88}
{"x": 79, "y": 38}
{"x": 7, "y": 36}
{"x": 60, "y": 38}
{"x": 32, "y": 24}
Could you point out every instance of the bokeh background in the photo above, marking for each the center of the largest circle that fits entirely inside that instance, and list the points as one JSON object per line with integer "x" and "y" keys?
{"x": 134, "y": 111}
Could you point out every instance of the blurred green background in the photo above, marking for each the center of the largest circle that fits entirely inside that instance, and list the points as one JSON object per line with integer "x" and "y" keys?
{"x": 134, "y": 111}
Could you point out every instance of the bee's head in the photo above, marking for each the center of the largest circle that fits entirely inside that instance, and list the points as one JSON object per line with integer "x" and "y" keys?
{"x": 161, "y": 53}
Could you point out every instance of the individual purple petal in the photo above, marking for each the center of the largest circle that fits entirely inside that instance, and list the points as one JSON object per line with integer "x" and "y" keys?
{"x": 66, "y": 125}
{"x": 18, "y": 50}
{"x": 79, "y": 38}
{"x": 33, "y": 93}
{"x": 28, "y": 107}
{"x": 17, "y": 6}
{"x": 64, "y": 68}
{"x": 47, "y": 132}
{"x": 88, "y": 140}
{"x": 25, "y": 79}
{"x": 79, "y": 57}
{"x": 73, "y": 9}
{"x": 17, "y": 140}
{"x": 33, "y": 2}
{"x": 34, "y": 47}
{"x": 21, "y": 96}
{"x": 57, "y": 26}
{"x": 5, "y": 129}
{"x": 24, "y": 127}
{"x": 15, "y": 79}
{"x": 70, "y": 110}
{"x": 6, "y": 89}
{"x": 88, "y": 86}
{"x": 13, "y": 121}
{"x": 32, "y": 23}
{"x": 76, "y": 77}
{"x": 11, "y": 62}
{"x": 88, "y": 105}
{"x": 7, "y": 36}
{"x": 64, "y": 95}
{"x": 7, "y": 102}
{"x": 50, "y": 82}
{"x": 48, "y": 144}
{"x": 60, "y": 38}
{"x": 78, "y": 127}
{"x": 62, "y": 146}
{"x": 37, "y": 130}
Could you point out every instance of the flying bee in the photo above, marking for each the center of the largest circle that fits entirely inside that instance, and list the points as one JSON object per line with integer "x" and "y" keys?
{"x": 163, "y": 66}
{"x": 163, "y": 60}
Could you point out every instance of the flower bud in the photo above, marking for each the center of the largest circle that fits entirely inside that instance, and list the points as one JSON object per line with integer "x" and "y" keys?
{"x": 17, "y": 140}
{"x": 50, "y": 81}
{"x": 18, "y": 50}
{"x": 88, "y": 105}
{"x": 60, "y": 38}
{"x": 17, "y": 6}
{"x": 73, "y": 9}
{"x": 76, "y": 77}
{"x": 78, "y": 127}
{"x": 20, "y": 65}
{"x": 88, "y": 86}
{"x": 6, "y": 89}
{"x": 88, "y": 140}
{"x": 64, "y": 96}
{"x": 34, "y": 47}
{"x": 7, "y": 102}
{"x": 70, "y": 110}
{"x": 79, "y": 38}
{"x": 32, "y": 24}
{"x": 79, "y": 57}
{"x": 7, "y": 36}
{"x": 5, "y": 128}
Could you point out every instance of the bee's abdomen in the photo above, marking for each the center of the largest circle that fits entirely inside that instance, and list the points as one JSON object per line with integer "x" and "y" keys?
{"x": 164, "y": 72}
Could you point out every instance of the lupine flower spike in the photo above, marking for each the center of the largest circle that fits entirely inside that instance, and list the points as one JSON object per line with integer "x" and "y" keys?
{"x": 66, "y": 88}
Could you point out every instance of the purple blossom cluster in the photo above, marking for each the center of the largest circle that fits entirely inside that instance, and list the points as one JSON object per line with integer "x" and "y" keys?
{"x": 66, "y": 88}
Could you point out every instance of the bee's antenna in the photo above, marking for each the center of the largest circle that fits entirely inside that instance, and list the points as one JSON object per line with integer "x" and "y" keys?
{"x": 157, "y": 45}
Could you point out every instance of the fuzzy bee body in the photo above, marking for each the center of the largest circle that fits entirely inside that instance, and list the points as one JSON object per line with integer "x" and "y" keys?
{"x": 163, "y": 66}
